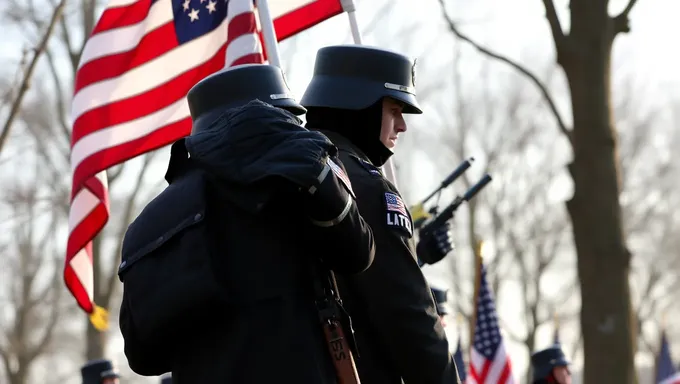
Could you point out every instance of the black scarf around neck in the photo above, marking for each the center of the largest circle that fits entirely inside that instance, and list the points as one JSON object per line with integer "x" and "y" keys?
{"x": 361, "y": 127}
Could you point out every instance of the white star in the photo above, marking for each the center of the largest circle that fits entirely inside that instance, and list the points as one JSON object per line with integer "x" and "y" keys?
{"x": 193, "y": 15}
{"x": 211, "y": 6}
{"x": 185, "y": 5}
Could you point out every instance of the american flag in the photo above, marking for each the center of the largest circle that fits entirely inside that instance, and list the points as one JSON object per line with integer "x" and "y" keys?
{"x": 135, "y": 71}
{"x": 489, "y": 364}
{"x": 337, "y": 170}
{"x": 675, "y": 379}
{"x": 665, "y": 369}
{"x": 394, "y": 203}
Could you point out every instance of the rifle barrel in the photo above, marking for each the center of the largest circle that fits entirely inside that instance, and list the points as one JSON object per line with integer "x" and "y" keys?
{"x": 477, "y": 187}
{"x": 453, "y": 176}
{"x": 448, "y": 212}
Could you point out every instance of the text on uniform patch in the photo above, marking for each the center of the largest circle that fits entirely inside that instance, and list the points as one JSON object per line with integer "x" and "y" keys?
{"x": 397, "y": 216}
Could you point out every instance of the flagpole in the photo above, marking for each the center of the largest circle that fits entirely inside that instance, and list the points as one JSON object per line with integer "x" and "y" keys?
{"x": 268, "y": 34}
{"x": 556, "y": 325}
{"x": 663, "y": 320}
{"x": 477, "y": 283}
{"x": 349, "y": 8}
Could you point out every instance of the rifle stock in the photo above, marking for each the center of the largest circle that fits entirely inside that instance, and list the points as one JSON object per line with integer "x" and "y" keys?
{"x": 331, "y": 315}
{"x": 341, "y": 353}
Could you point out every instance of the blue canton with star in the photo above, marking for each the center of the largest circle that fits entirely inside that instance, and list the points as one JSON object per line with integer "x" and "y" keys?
{"x": 487, "y": 336}
{"x": 195, "y": 18}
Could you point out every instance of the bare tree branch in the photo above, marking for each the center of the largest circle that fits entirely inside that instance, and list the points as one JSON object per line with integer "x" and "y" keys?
{"x": 41, "y": 346}
{"x": 73, "y": 54}
{"x": 35, "y": 307}
{"x": 622, "y": 21}
{"x": 25, "y": 83}
{"x": 555, "y": 26}
{"x": 541, "y": 87}
{"x": 60, "y": 105}
{"x": 8, "y": 94}
{"x": 115, "y": 172}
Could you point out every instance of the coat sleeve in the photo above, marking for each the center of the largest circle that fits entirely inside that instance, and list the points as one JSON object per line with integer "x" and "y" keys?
{"x": 341, "y": 233}
{"x": 395, "y": 294}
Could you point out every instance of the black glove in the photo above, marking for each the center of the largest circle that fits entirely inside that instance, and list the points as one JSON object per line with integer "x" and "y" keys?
{"x": 329, "y": 202}
{"x": 434, "y": 244}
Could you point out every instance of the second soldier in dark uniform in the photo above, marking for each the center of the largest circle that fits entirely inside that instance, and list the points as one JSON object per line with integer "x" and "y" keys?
{"x": 356, "y": 97}
{"x": 218, "y": 286}
{"x": 550, "y": 366}
{"x": 99, "y": 371}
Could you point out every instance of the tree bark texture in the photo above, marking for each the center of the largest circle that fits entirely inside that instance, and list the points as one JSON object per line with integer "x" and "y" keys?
{"x": 603, "y": 258}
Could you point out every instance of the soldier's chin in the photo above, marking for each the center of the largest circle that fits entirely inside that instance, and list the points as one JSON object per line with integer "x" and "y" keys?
{"x": 391, "y": 143}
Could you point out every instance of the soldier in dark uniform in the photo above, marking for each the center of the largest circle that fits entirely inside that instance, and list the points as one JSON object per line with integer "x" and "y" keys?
{"x": 550, "y": 366}
{"x": 99, "y": 372}
{"x": 356, "y": 97}
{"x": 258, "y": 202}
{"x": 166, "y": 379}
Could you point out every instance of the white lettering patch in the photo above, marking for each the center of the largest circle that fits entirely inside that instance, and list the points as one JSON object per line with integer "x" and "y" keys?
{"x": 397, "y": 216}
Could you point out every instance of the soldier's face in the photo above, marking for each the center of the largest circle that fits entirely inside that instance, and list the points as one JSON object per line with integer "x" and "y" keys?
{"x": 110, "y": 380}
{"x": 562, "y": 375}
{"x": 392, "y": 122}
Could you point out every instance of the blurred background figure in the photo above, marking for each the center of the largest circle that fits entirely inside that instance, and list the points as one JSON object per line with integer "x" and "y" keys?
{"x": 550, "y": 366}
{"x": 441, "y": 297}
{"x": 100, "y": 372}
{"x": 166, "y": 379}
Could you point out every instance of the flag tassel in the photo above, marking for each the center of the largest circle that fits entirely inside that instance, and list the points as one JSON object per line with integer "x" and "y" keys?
{"x": 99, "y": 318}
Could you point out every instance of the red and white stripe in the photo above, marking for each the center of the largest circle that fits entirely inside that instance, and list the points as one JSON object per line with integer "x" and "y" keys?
{"x": 675, "y": 379}
{"x": 129, "y": 99}
{"x": 130, "y": 92}
{"x": 294, "y": 16}
{"x": 483, "y": 371}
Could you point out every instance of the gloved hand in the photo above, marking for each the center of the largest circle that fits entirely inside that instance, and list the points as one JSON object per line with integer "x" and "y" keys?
{"x": 434, "y": 244}
{"x": 330, "y": 201}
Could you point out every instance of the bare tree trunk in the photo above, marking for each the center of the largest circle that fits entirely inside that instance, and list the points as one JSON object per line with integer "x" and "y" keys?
{"x": 19, "y": 377}
{"x": 96, "y": 343}
{"x": 603, "y": 258}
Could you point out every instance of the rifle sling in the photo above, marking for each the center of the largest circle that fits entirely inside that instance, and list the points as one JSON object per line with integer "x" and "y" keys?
{"x": 331, "y": 314}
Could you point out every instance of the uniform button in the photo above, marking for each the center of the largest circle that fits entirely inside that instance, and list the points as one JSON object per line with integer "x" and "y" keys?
{"x": 198, "y": 217}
